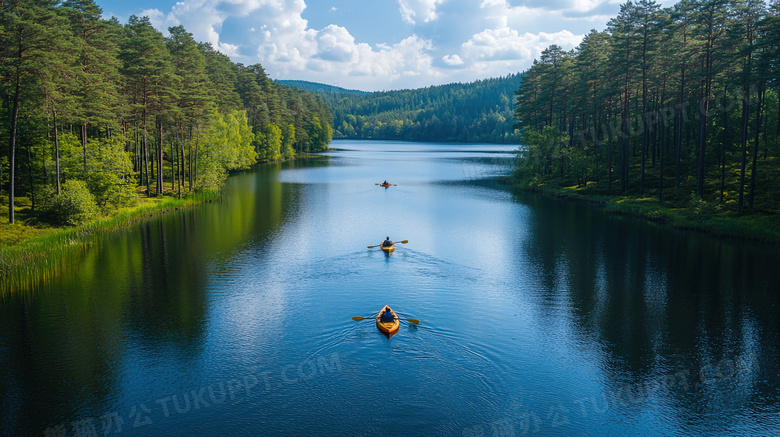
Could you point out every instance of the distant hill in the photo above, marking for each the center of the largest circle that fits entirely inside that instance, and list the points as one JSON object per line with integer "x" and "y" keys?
{"x": 319, "y": 88}
{"x": 479, "y": 111}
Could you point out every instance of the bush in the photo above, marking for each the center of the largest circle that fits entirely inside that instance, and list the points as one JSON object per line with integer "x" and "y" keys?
{"x": 73, "y": 206}
{"x": 109, "y": 190}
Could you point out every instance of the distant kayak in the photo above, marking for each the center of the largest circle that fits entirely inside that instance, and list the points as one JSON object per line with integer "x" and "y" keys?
{"x": 388, "y": 328}
{"x": 384, "y": 185}
{"x": 389, "y": 248}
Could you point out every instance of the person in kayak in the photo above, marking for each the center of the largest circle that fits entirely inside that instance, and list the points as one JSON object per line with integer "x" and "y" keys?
{"x": 387, "y": 316}
{"x": 384, "y": 183}
{"x": 387, "y": 242}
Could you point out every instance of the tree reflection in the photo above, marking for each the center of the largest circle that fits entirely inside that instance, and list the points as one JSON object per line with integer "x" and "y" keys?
{"x": 661, "y": 302}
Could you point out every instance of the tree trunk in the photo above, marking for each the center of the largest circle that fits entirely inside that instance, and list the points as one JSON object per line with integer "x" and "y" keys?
{"x": 705, "y": 112}
{"x": 642, "y": 115}
{"x": 754, "y": 168}
{"x": 679, "y": 119}
{"x": 12, "y": 138}
{"x": 743, "y": 158}
{"x": 57, "y": 151}
{"x": 159, "y": 157}
{"x": 174, "y": 168}
{"x": 624, "y": 137}
{"x": 189, "y": 144}
{"x": 145, "y": 152}
{"x": 84, "y": 143}
{"x": 197, "y": 143}
{"x": 30, "y": 175}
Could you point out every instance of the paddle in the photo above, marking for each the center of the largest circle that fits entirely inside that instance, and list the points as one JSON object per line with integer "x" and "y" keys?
{"x": 358, "y": 318}
{"x": 402, "y": 242}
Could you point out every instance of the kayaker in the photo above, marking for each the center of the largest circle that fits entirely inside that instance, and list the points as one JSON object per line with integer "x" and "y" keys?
{"x": 387, "y": 242}
{"x": 384, "y": 183}
{"x": 387, "y": 316}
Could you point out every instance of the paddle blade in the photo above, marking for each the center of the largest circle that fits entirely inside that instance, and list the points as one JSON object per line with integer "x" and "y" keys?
{"x": 371, "y": 247}
{"x": 415, "y": 321}
{"x": 404, "y": 241}
{"x": 358, "y": 318}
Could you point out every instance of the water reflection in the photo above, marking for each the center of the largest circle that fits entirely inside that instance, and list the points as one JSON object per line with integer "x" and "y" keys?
{"x": 539, "y": 316}
{"x": 679, "y": 312}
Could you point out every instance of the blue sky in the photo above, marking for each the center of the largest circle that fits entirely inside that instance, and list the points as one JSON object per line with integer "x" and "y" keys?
{"x": 376, "y": 45}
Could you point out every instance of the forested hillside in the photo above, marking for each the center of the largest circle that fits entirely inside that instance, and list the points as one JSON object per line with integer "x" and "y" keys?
{"x": 92, "y": 108}
{"x": 679, "y": 104}
{"x": 480, "y": 111}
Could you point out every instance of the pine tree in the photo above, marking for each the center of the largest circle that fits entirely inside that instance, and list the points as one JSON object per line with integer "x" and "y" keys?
{"x": 97, "y": 74}
{"x": 189, "y": 65}
{"x": 623, "y": 29}
{"x": 28, "y": 28}
{"x": 150, "y": 78}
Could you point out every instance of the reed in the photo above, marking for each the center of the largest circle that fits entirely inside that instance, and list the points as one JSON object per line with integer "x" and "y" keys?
{"x": 38, "y": 260}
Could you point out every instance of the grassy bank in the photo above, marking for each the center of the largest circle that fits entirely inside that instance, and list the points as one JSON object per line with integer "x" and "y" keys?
{"x": 691, "y": 214}
{"x": 31, "y": 252}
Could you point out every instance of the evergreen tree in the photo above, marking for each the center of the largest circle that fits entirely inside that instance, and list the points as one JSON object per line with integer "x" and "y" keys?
{"x": 189, "y": 64}
{"x": 28, "y": 29}
{"x": 97, "y": 74}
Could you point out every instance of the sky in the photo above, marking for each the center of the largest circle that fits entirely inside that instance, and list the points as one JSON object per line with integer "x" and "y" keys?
{"x": 376, "y": 45}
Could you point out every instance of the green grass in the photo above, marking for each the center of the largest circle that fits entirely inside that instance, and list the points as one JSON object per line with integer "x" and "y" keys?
{"x": 31, "y": 253}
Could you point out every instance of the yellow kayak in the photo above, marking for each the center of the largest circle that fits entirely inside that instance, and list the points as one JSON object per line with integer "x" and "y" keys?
{"x": 388, "y": 328}
{"x": 389, "y": 248}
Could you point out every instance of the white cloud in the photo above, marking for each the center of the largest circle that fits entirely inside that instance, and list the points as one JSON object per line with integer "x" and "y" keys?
{"x": 335, "y": 44}
{"x": 416, "y": 11}
{"x": 470, "y": 40}
{"x": 452, "y": 60}
{"x": 504, "y": 44}
{"x": 160, "y": 20}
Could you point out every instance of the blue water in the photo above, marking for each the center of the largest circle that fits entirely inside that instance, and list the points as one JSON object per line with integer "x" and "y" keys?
{"x": 538, "y": 317}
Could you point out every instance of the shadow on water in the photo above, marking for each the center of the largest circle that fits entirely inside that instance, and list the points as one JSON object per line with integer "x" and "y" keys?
{"x": 672, "y": 312}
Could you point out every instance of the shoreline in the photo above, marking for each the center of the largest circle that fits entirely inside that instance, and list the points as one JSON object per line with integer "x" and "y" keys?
{"x": 753, "y": 226}
{"x": 36, "y": 258}
{"x": 35, "y": 252}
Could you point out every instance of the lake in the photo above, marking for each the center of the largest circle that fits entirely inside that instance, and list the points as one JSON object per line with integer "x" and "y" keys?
{"x": 538, "y": 316}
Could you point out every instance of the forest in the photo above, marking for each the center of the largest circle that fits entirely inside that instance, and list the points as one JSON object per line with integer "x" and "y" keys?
{"x": 479, "y": 111}
{"x": 678, "y": 104}
{"x": 96, "y": 113}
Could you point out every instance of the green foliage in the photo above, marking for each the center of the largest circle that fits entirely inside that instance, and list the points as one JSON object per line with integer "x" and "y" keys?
{"x": 288, "y": 139}
{"x": 480, "y": 111}
{"x": 271, "y": 145}
{"x": 114, "y": 104}
{"x": 667, "y": 103}
{"x": 320, "y": 135}
{"x": 541, "y": 150}
{"x": 73, "y": 206}
{"x": 226, "y": 145}
{"x": 110, "y": 191}
{"x": 109, "y": 174}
